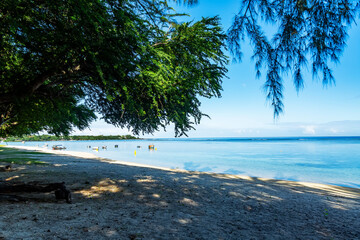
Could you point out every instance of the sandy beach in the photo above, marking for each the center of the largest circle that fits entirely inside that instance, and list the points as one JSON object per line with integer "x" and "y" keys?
{"x": 116, "y": 200}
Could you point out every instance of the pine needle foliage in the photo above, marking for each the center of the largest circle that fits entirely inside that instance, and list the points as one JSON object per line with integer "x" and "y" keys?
{"x": 129, "y": 61}
{"x": 306, "y": 32}
{"x": 302, "y": 33}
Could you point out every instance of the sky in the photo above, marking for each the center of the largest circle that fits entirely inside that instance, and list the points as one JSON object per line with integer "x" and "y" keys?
{"x": 242, "y": 111}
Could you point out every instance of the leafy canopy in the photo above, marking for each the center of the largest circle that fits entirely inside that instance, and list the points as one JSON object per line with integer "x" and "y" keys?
{"x": 306, "y": 32}
{"x": 127, "y": 60}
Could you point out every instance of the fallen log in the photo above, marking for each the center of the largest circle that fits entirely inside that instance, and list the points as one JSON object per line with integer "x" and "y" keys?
{"x": 13, "y": 198}
{"x": 7, "y": 168}
{"x": 61, "y": 192}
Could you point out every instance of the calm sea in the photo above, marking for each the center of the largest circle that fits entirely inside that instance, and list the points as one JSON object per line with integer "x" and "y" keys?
{"x": 329, "y": 160}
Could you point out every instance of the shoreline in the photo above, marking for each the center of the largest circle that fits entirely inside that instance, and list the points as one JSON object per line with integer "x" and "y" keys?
{"x": 87, "y": 155}
{"x": 112, "y": 200}
{"x": 300, "y": 161}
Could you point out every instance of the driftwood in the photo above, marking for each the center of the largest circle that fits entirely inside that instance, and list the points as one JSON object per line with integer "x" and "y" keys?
{"x": 61, "y": 192}
{"x": 7, "y": 168}
{"x": 13, "y": 198}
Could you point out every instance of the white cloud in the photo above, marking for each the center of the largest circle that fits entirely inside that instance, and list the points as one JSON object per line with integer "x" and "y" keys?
{"x": 100, "y": 127}
{"x": 333, "y": 130}
{"x": 210, "y": 129}
{"x": 310, "y": 129}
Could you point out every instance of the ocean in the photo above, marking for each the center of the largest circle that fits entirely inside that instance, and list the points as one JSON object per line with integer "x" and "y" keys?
{"x": 328, "y": 160}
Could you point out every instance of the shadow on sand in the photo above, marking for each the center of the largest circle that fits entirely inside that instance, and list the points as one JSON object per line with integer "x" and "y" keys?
{"x": 115, "y": 201}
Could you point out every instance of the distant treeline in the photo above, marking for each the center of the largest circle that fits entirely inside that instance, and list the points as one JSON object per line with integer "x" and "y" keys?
{"x": 61, "y": 138}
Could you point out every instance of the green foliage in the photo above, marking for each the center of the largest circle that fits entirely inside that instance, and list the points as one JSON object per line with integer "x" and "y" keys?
{"x": 187, "y": 2}
{"x": 129, "y": 61}
{"x": 21, "y": 160}
{"x": 60, "y": 138}
{"x": 184, "y": 63}
{"x": 15, "y": 156}
{"x": 306, "y": 32}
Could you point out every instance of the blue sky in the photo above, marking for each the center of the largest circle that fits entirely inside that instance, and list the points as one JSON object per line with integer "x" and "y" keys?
{"x": 242, "y": 111}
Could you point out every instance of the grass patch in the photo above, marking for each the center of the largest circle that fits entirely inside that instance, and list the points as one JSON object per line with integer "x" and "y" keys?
{"x": 19, "y": 160}
{"x": 12, "y": 151}
{"x": 16, "y": 156}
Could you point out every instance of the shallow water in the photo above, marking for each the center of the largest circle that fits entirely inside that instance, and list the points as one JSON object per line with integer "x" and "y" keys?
{"x": 332, "y": 160}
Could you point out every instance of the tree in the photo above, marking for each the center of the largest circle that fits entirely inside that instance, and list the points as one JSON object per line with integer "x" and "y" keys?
{"x": 306, "y": 32}
{"x": 127, "y": 60}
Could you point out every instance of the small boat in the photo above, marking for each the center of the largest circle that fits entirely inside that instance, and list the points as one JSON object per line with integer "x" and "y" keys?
{"x": 58, "y": 147}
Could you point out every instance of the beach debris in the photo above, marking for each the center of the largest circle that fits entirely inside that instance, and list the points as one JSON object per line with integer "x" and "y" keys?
{"x": 95, "y": 148}
{"x": 248, "y": 208}
{"x": 104, "y": 147}
{"x": 138, "y": 146}
{"x": 6, "y": 168}
{"x": 12, "y": 198}
{"x": 116, "y": 146}
{"x": 136, "y": 236}
{"x": 151, "y": 147}
{"x": 61, "y": 192}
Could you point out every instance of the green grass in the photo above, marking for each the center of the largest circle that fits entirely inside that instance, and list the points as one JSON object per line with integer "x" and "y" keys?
{"x": 23, "y": 161}
{"x": 11, "y": 151}
{"x": 16, "y": 156}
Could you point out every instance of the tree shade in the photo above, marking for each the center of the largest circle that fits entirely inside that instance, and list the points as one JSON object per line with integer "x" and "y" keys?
{"x": 127, "y": 60}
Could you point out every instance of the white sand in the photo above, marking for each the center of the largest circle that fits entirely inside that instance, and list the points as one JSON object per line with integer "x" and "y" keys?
{"x": 118, "y": 201}
{"x": 60, "y": 152}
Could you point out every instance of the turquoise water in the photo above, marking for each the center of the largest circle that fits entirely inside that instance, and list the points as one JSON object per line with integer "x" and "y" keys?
{"x": 331, "y": 160}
